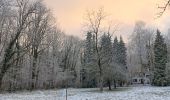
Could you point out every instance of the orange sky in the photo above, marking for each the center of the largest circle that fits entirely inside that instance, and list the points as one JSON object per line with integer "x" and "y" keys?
{"x": 69, "y": 13}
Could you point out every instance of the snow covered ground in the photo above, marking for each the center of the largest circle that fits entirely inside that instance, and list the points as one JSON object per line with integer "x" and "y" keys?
{"x": 130, "y": 93}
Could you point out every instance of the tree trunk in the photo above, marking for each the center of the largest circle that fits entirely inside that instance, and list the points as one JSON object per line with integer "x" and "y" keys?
{"x": 109, "y": 83}
{"x": 3, "y": 70}
{"x": 34, "y": 76}
{"x": 99, "y": 62}
{"x": 101, "y": 76}
{"x": 34, "y": 73}
{"x": 101, "y": 82}
{"x": 114, "y": 84}
{"x": 1, "y": 82}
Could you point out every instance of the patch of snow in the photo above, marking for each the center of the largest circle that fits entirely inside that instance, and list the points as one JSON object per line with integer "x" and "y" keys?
{"x": 132, "y": 93}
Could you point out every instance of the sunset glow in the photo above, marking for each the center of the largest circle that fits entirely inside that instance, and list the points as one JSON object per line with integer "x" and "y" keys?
{"x": 70, "y": 13}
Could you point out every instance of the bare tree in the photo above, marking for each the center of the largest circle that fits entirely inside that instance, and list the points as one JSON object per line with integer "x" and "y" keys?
{"x": 94, "y": 24}
{"x": 56, "y": 40}
{"x": 32, "y": 47}
{"x": 140, "y": 50}
{"x": 24, "y": 9}
{"x": 38, "y": 31}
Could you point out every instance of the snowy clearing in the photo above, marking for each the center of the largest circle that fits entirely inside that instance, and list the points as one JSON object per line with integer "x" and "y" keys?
{"x": 130, "y": 93}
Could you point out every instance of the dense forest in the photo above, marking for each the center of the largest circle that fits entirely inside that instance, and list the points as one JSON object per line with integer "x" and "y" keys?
{"x": 35, "y": 53}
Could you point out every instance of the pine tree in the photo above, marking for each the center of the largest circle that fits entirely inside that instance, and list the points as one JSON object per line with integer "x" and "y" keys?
{"x": 115, "y": 50}
{"x": 160, "y": 53}
{"x": 122, "y": 52}
{"x": 106, "y": 47}
{"x": 119, "y": 61}
{"x": 88, "y": 48}
{"x": 88, "y": 70}
{"x": 106, "y": 53}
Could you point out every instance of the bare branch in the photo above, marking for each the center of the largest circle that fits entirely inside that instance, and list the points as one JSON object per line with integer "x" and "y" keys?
{"x": 163, "y": 9}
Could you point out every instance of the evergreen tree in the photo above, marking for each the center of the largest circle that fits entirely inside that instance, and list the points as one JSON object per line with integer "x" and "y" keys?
{"x": 122, "y": 61}
{"x": 88, "y": 70}
{"x": 106, "y": 55}
{"x": 88, "y": 48}
{"x": 122, "y": 52}
{"x": 115, "y": 50}
{"x": 160, "y": 53}
{"x": 106, "y": 47}
{"x": 119, "y": 61}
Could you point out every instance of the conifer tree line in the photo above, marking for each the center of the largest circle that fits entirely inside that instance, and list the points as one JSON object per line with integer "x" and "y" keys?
{"x": 113, "y": 60}
{"x": 160, "y": 61}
